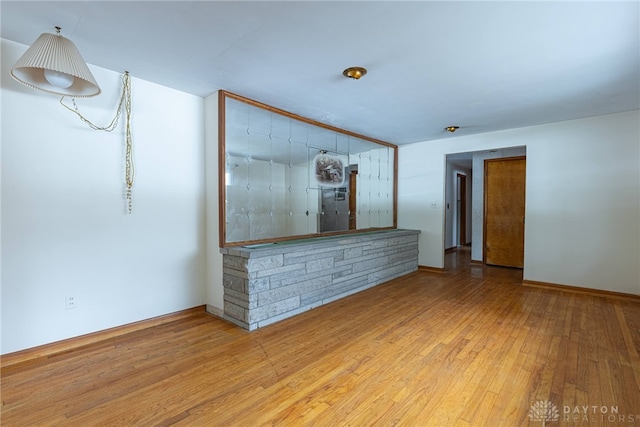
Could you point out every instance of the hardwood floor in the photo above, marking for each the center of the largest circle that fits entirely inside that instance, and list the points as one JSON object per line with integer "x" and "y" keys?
{"x": 467, "y": 347}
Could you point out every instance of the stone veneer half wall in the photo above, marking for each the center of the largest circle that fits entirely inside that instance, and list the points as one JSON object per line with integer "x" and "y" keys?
{"x": 267, "y": 283}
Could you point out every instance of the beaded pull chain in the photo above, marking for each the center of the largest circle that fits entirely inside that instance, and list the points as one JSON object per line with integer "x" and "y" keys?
{"x": 125, "y": 100}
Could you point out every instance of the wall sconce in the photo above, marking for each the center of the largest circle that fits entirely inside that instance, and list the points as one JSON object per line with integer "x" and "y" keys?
{"x": 53, "y": 64}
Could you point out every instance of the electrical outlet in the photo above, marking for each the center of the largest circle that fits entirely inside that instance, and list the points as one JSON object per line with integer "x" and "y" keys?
{"x": 70, "y": 302}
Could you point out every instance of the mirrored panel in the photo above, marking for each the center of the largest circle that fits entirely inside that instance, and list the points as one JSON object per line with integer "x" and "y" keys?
{"x": 288, "y": 177}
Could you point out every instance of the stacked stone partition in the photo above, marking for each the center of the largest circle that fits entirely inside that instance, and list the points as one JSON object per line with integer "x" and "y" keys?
{"x": 267, "y": 283}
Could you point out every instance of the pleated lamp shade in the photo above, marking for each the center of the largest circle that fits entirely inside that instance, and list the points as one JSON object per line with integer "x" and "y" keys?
{"x": 54, "y": 64}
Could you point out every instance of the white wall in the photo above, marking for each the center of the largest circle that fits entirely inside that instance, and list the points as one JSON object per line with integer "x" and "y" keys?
{"x": 64, "y": 227}
{"x": 582, "y": 204}
{"x": 214, "y": 290}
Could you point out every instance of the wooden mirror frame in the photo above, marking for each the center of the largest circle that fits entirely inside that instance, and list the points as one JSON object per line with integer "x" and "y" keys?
{"x": 222, "y": 97}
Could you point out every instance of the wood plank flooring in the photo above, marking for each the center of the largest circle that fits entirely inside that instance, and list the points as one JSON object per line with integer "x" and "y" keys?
{"x": 468, "y": 347}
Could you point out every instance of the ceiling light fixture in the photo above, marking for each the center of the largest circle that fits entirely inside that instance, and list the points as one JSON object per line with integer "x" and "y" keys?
{"x": 54, "y": 64}
{"x": 354, "y": 72}
{"x": 452, "y": 129}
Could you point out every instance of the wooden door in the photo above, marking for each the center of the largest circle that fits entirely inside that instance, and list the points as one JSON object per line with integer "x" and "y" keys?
{"x": 353, "y": 204}
{"x": 504, "y": 198}
{"x": 462, "y": 209}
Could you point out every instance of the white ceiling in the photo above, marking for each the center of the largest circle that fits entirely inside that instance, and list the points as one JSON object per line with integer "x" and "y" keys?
{"x": 483, "y": 66}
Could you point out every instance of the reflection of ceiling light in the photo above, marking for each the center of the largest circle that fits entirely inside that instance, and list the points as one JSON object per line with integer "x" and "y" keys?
{"x": 354, "y": 72}
{"x": 452, "y": 129}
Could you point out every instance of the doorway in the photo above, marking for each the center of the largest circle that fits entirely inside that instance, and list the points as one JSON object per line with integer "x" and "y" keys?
{"x": 470, "y": 164}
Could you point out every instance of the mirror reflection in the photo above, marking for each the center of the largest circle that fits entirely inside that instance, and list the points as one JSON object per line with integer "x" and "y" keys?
{"x": 286, "y": 177}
